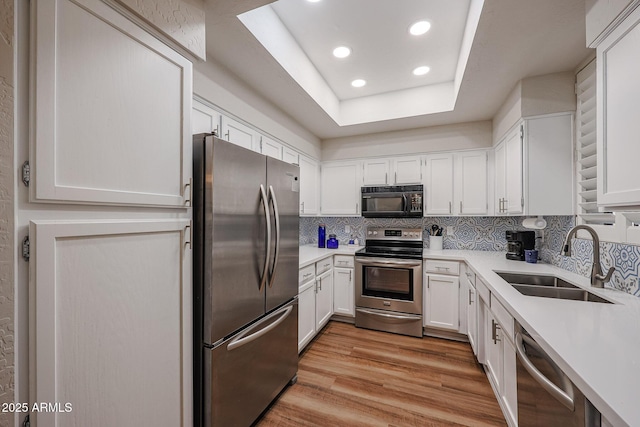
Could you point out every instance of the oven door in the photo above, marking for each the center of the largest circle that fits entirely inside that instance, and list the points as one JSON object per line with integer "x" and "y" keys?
{"x": 389, "y": 284}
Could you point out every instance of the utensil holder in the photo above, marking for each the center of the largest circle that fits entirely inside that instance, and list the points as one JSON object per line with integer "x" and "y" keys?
{"x": 435, "y": 243}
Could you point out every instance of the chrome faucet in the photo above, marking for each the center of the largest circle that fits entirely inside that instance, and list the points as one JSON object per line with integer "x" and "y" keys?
{"x": 597, "y": 279}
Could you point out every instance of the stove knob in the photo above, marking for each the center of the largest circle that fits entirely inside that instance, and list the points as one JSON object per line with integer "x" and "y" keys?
{"x": 375, "y": 233}
{"x": 405, "y": 234}
{"x": 370, "y": 232}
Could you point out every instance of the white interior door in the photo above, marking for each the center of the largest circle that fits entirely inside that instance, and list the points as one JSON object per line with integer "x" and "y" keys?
{"x": 111, "y": 322}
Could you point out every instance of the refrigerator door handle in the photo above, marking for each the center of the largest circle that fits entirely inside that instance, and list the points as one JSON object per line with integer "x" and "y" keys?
{"x": 276, "y": 216}
{"x": 241, "y": 339}
{"x": 267, "y": 217}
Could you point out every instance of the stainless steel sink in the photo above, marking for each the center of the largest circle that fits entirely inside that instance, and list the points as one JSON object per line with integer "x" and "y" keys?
{"x": 532, "y": 279}
{"x": 549, "y": 287}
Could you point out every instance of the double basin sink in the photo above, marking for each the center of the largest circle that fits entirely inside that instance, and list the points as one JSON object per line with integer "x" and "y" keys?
{"x": 549, "y": 287}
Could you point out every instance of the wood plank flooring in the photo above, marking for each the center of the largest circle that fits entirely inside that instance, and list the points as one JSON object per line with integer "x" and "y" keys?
{"x": 356, "y": 377}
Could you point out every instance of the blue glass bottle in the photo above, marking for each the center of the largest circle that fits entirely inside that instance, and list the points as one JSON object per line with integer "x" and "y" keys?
{"x": 322, "y": 230}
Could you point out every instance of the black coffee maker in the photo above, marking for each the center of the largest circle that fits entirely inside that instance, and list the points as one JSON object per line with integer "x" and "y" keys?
{"x": 518, "y": 242}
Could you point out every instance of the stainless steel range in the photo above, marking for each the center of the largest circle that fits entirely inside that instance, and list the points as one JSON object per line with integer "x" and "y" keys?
{"x": 389, "y": 281}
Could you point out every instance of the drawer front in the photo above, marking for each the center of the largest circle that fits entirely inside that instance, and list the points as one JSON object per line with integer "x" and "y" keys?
{"x": 502, "y": 316}
{"x": 344, "y": 261}
{"x": 442, "y": 267}
{"x": 483, "y": 291}
{"x": 307, "y": 273}
{"x": 324, "y": 265}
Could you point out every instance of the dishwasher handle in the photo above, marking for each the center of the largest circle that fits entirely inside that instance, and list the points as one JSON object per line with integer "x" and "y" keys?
{"x": 566, "y": 396}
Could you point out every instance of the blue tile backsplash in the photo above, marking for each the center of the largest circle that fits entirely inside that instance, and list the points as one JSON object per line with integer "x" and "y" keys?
{"x": 488, "y": 234}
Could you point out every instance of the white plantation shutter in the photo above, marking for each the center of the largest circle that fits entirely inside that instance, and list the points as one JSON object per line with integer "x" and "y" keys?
{"x": 588, "y": 212}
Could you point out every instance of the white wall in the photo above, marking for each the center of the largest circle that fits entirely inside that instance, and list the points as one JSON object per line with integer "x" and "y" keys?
{"x": 599, "y": 14}
{"x": 215, "y": 84}
{"x": 463, "y": 136}
{"x": 534, "y": 96}
{"x": 7, "y": 206}
{"x": 182, "y": 21}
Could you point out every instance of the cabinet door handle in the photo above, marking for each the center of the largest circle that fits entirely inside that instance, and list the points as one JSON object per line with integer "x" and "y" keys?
{"x": 396, "y": 178}
{"x": 470, "y": 300}
{"x": 385, "y": 177}
{"x": 350, "y": 271}
{"x": 460, "y": 206}
{"x": 449, "y": 207}
{"x": 494, "y": 331}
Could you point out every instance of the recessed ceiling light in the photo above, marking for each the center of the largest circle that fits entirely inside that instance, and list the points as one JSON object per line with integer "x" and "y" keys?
{"x": 358, "y": 83}
{"x": 421, "y": 71}
{"x": 420, "y": 28}
{"x": 341, "y": 52}
{"x": 313, "y": 1}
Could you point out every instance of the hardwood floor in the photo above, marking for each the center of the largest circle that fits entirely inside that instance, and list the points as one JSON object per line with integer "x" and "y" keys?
{"x": 356, "y": 377}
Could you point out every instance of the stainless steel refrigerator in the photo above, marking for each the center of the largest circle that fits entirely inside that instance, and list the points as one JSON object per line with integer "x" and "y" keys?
{"x": 245, "y": 210}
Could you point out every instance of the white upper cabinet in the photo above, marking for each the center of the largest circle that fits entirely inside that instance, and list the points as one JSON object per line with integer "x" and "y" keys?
{"x": 112, "y": 110}
{"x": 204, "y": 119}
{"x": 240, "y": 134}
{"x": 393, "y": 171}
{"x": 470, "y": 190}
{"x": 514, "y": 202}
{"x": 500, "y": 164}
{"x": 270, "y": 147}
{"x": 290, "y": 156}
{"x": 340, "y": 188}
{"x": 407, "y": 170}
{"x": 456, "y": 184}
{"x": 309, "y": 179}
{"x": 618, "y": 86}
{"x": 534, "y": 167}
{"x": 439, "y": 184}
{"x": 375, "y": 172}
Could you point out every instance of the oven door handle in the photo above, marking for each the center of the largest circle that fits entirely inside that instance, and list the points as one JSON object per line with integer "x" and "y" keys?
{"x": 386, "y": 262}
{"x": 392, "y": 316}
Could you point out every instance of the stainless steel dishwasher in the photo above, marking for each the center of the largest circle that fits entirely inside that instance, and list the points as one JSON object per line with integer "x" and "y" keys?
{"x": 546, "y": 396}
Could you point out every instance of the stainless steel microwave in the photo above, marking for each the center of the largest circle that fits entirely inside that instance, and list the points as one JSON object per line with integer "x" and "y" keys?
{"x": 399, "y": 201}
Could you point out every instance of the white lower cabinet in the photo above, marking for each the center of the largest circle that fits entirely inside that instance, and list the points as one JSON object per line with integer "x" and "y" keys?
{"x": 324, "y": 298}
{"x": 471, "y": 307}
{"x": 315, "y": 299}
{"x": 441, "y": 302}
{"x": 343, "y": 286}
{"x": 306, "y": 313}
{"x": 441, "y": 296}
{"x": 501, "y": 358}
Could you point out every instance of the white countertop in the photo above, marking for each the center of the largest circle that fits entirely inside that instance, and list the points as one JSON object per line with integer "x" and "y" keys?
{"x": 310, "y": 253}
{"x": 597, "y": 345}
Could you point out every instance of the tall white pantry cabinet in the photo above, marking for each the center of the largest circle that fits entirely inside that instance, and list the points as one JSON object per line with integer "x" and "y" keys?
{"x": 109, "y": 223}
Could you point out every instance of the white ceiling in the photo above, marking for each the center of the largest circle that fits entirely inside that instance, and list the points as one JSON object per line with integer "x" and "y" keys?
{"x": 377, "y": 31}
{"x": 514, "y": 39}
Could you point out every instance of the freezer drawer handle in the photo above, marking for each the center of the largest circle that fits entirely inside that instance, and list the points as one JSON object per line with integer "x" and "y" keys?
{"x": 267, "y": 217}
{"x": 276, "y": 216}
{"x": 563, "y": 396}
{"x": 241, "y": 340}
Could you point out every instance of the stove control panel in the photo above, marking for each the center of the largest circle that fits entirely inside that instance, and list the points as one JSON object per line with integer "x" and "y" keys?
{"x": 403, "y": 234}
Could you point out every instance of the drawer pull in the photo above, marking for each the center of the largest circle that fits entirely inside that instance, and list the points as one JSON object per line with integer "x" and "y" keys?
{"x": 442, "y": 268}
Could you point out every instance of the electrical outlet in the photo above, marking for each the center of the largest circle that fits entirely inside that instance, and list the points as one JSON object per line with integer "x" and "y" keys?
{"x": 347, "y": 229}
{"x": 449, "y": 230}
